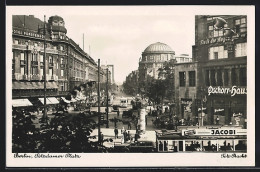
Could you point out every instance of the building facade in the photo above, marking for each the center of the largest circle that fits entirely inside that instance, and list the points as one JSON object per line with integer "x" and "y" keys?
{"x": 67, "y": 65}
{"x": 182, "y": 58}
{"x": 186, "y": 83}
{"x": 153, "y": 58}
{"x": 221, "y": 52}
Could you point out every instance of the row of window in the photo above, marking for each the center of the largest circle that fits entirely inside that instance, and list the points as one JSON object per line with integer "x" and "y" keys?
{"x": 219, "y": 52}
{"x": 34, "y": 71}
{"x": 192, "y": 79}
{"x": 222, "y": 77}
{"x": 35, "y": 58}
{"x": 77, "y": 73}
{"x": 36, "y": 44}
{"x": 240, "y": 27}
{"x": 162, "y": 57}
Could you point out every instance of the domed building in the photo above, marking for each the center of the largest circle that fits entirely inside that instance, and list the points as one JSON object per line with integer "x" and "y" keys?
{"x": 153, "y": 58}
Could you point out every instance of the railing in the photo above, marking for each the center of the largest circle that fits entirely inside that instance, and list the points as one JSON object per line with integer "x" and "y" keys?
{"x": 33, "y": 93}
{"x": 36, "y": 77}
{"x": 19, "y": 46}
{"x": 25, "y": 77}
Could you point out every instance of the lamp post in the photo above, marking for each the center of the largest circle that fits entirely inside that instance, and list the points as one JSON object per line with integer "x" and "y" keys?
{"x": 44, "y": 72}
{"x": 98, "y": 92}
{"x": 107, "y": 100}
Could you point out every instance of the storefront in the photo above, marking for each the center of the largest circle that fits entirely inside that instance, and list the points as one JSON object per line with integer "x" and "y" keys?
{"x": 227, "y": 106}
{"x": 204, "y": 140}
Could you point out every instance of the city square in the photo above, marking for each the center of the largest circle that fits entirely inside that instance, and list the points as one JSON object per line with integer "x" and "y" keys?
{"x": 66, "y": 100}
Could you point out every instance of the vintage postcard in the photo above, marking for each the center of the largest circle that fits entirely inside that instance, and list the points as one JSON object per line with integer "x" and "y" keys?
{"x": 130, "y": 86}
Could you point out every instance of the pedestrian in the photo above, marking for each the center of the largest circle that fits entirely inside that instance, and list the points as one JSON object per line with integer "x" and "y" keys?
{"x": 123, "y": 129}
{"x": 101, "y": 138}
{"x": 136, "y": 137}
{"x": 217, "y": 120}
{"x": 125, "y": 136}
{"x": 129, "y": 125}
{"x": 128, "y": 136}
{"x": 116, "y": 133}
{"x": 118, "y": 112}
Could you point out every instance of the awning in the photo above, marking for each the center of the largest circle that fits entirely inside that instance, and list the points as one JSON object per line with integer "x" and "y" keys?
{"x": 17, "y": 85}
{"x": 65, "y": 100}
{"x": 49, "y": 100}
{"x": 21, "y": 102}
{"x": 53, "y": 100}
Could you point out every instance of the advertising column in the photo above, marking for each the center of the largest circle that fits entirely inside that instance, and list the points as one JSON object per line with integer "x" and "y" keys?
{"x": 142, "y": 119}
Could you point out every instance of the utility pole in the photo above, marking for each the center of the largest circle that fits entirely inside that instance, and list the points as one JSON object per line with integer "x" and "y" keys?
{"x": 98, "y": 92}
{"x": 44, "y": 71}
{"x": 107, "y": 98}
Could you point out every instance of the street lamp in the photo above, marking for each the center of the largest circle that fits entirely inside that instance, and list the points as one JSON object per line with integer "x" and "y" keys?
{"x": 107, "y": 99}
{"x": 44, "y": 71}
{"x": 98, "y": 92}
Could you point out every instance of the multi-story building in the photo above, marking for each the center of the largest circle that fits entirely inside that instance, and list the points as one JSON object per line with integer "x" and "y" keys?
{"x": 153, "y": 58}
{"x": 182, "y": 58}
{"x": 186, "y": 82}
{"x": 221, "y": 52}
{"x": 67, "y": 65}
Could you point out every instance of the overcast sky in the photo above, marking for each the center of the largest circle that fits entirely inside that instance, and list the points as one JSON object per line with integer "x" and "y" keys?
{"x": 119, "y": 34}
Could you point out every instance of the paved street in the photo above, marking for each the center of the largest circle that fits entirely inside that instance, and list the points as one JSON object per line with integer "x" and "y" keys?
{"x": 120, "y": 125}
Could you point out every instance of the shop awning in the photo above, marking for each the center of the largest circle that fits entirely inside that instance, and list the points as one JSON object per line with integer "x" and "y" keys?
{"x": 49, "y": 100}
{"x": 17, "y": 85}
{"x": 21, "y": 103}
{"x": 53, "y": 100}
{"x": 65, "y": 100}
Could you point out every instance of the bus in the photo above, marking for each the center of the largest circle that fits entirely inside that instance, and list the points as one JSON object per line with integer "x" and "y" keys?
{"x": 123, "y": 102}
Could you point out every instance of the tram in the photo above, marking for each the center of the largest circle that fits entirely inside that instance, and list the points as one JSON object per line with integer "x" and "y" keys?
{"x": 203, "y": 140}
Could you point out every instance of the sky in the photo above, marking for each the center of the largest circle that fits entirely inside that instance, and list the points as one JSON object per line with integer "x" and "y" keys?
{"x": 119, "y": 34}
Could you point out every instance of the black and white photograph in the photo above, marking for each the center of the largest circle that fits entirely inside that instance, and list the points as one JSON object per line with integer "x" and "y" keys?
{"x": 104, "y": 86}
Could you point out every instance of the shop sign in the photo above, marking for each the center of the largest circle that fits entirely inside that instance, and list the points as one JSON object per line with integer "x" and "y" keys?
{"x": 219, "y": 110}
{"x": 219, "y": 132}
{"x": 188, "y": 132}
{"x": 215, "y": 40}
{"x": 26, "y": 33}
{"x": 234, "y": 90}
{"x": 237, "y": 114}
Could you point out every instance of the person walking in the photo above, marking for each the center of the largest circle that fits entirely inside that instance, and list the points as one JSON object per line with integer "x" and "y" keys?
{"x": 116, "y": 133}
{"x": 129, "y": 125}
{"x": 217, "y": 120}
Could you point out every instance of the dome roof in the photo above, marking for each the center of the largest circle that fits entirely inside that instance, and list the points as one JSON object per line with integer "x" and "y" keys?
{"x": 158, "y": 47}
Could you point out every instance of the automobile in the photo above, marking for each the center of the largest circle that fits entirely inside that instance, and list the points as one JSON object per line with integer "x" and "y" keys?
{"x": 123, "y": 102}
{"x": 127, "y": 114}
